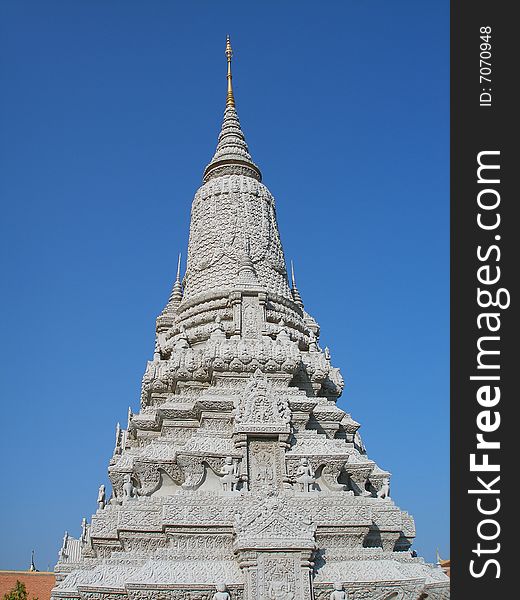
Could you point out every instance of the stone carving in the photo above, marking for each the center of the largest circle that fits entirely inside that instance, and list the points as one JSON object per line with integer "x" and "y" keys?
{"x": 280, "y": 587}
{"x": 330, "y": 474}
{"x": 61, "y": 553}
{"x": 139, "y": 516}
{"x": 278, "y": 578}
{"x": 101, "y": 496}
{"x": 262, "y": 409}
{"x": 150, "y": 471}
{"x": 193, "y": 470}
{"x": 117, "y": 448}
{"x": 129, "y": 490}
{"x": 339, "y": 592}
{"x": 264, "y": 467}
{"x": 84, "y": 530}
{"x": 384, "y": 491}
{"x": 270, "y": 522}
{"x": 221, "y": 593}
{"x": 230, "y": 476}
{"x": 217, "y": 332}
{"x": 239, "y": 466}
{"x": 305, "y": 476}
{"x": 197, "y": 546}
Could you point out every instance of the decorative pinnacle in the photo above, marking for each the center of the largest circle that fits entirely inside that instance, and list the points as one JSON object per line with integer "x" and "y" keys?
{"x": 230, "y": 99}
{"x": 179, "y": 268}
{"x": 246, "y": 270}
{"x": 295, "y": 293}
{"x": 176, "y": 295}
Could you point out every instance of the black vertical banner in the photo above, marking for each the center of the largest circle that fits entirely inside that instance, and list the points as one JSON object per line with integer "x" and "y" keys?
{"x": 485, "y": 266}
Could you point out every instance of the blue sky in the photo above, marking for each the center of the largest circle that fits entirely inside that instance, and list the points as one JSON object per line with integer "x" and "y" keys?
{"x": 109, "y": 112}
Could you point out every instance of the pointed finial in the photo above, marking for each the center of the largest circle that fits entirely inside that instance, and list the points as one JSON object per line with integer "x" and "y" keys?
{"x": 230, "y": 99}
{"x": 179, "y": 268}
{"x": 292, "y": 275}
{"x": 295, "y": 293}
{"x": 176, "y": 295}
{"x": 118, "y": 437}
{"x": 246, "y": 270}
{"x": 33, "y": 566}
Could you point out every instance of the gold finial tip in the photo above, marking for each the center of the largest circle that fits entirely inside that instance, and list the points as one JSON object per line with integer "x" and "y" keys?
{"x": 230, "y": 100}
{"x": 229, "y": 50}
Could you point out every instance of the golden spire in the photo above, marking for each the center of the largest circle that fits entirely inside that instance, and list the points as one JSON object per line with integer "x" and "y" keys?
{"x": 230, "y": 100}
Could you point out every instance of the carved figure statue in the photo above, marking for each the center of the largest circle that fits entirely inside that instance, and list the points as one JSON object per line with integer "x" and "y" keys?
{"x": 101, "y": 496}
{"x": 282, "y": 336}
{"x": 217, "y": 330}
{"x": 305, "y": 476}
{"x": 129, "y": 490}
{"x": 62, "y": 554}
{"x": 182, "y": 340}
{"x": 313, "y": 342}
{"x": 117, "y": 449}
{"x": 221, "y": 593}
{"x": 84, "y": 530}
{"x": 230, "y": 476}
{"x": 338, "y": 593}
{"x": 263, "y": 468}
{"x": 384, "y": 491}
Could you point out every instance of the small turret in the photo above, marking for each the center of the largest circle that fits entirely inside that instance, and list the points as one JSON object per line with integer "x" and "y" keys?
{"x": 166, "y": 318}
{"x": 294, "y": 290}
{"x": 176, "y": 295}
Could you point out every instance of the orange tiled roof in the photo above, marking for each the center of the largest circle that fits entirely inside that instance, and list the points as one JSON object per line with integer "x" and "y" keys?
{"x": 38, "y": 583}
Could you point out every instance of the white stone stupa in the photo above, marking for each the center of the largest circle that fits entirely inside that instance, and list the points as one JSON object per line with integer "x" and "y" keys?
{"x": 239, "y": 477}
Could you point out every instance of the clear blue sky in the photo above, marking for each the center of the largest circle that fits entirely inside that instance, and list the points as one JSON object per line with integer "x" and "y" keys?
{"x": 109, "y": 112}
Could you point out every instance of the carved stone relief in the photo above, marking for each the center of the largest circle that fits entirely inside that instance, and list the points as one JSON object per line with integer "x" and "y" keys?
{"x": 264, "y": 464}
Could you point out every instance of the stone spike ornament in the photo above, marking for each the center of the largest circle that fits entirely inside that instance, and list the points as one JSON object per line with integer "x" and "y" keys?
{"x": 230, "y": 98}
{"x": 240, "y": 478}
{"x": 176, "y": 295}
{"x": 294, "y": 290}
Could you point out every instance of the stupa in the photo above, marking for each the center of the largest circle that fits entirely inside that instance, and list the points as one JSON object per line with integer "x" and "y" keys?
{"x": 240, "y": 477}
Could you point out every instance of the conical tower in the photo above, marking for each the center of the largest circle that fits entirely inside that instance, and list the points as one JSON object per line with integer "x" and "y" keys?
{"x": 240, "y": 473}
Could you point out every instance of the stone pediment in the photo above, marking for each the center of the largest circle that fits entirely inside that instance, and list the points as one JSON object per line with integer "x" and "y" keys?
{"x": 276, "y": 526}
{"x": 272, "y": 523}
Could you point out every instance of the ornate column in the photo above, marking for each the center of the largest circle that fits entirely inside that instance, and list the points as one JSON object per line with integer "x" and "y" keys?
{"x": 275, "y": 548}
